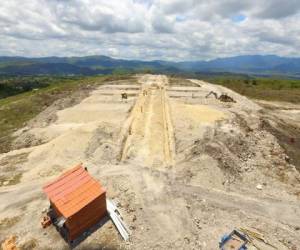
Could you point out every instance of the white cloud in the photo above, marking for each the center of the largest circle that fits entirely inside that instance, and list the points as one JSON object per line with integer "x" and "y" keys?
{"x": 149, "y": 29}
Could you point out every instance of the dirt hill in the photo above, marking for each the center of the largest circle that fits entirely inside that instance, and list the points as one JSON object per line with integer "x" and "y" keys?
{"x": 184, "y": 169}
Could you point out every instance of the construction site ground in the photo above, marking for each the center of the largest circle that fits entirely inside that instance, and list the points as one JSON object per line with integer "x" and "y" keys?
{"x": 183, "y": 169}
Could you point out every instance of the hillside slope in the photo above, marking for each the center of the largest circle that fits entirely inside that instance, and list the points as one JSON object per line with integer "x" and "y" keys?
{"x": 184, "y": 169}
{"x": 254, "y": 64}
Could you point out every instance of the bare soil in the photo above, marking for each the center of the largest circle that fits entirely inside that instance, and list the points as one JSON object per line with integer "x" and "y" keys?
{"x": 183, "y": 169}
{"x": 283, "y": 120}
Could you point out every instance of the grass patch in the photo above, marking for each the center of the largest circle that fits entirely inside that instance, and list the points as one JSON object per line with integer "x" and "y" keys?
{"x": 9, "y": 222}
{"x": 13, "y": 85}
{"x": 29, "y": 244}
{"x": 270, "y": 89}
{"x": 9, "y": 162}
{"x": 16, "y": 110}
{"x": 12, "y": 179}
{"x": 176, "y": 81}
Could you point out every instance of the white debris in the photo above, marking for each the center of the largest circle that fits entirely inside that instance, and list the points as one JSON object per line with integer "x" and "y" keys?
{"x": 117, "y": 219}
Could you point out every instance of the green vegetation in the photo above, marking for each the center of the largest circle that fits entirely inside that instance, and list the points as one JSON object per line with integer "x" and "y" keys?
{"x": 16, "y": 110}
{"x": 14, "y": 85}
{"x": 271, "y": 89}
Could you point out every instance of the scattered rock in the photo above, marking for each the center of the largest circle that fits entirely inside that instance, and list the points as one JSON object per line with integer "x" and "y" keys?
{"x": 259, "y": 187}
{"x": 134, "y": 218}
{"x": 187, "y": 240}
{"x": 287, "y": 158}
{"x": 29, "y": 245}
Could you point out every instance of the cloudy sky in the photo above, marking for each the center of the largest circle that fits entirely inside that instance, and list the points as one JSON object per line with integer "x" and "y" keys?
{"x": 149, "y": 29}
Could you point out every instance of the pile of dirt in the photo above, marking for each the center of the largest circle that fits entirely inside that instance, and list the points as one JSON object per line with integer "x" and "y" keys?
{"x": 25, "y": 137}
{"x": 282, "y": 120}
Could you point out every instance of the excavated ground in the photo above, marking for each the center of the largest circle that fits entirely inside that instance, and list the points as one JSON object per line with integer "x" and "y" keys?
{"x": 183, "y": 169}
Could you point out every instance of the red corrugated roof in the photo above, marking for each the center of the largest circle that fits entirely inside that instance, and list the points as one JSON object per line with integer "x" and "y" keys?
{"x": 73, "y": 190}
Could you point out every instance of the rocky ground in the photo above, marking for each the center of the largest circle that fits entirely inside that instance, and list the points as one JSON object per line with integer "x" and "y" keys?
{"x": 184, "y": 169}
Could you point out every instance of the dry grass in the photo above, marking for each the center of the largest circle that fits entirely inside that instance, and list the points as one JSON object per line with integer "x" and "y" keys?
{"x": 12, "y": 179}
{"x": 9, "y": 222}
{"x": 29, "y": 244}
{"x": 175, "y": 81}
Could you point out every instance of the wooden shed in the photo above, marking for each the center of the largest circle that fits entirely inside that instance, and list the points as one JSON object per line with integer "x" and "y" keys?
{"x": 77, "y": 202}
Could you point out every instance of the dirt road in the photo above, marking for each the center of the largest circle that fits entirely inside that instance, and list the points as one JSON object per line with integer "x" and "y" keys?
{"x": 184, "y": 169}
{"x": 150, "y": 134}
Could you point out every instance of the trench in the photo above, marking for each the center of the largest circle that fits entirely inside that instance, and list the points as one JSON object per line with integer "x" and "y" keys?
{"x": 150, "y": 136}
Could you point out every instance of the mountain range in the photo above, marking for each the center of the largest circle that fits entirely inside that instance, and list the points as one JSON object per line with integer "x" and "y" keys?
{"x": 91, "y": 65}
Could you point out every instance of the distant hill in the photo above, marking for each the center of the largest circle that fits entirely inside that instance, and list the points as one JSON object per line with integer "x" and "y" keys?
{"x": 91, "y": 65}
{"x": 256, "y": 64}
{"x": 46, "y": 69}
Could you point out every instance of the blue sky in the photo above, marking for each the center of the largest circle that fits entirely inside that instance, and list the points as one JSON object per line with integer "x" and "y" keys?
{"x": 238, "y": 18}
{"x": 149, "y": 29}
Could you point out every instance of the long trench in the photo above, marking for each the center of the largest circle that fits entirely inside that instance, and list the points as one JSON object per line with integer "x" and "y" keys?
{"x": 150, "y": 135}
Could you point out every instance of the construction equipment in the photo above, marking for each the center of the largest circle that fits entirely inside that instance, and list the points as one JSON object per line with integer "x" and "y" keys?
{"x": 242, "y": 238}
{"x": 223, "y": 97}
{"x": 234, "y": 241}
{"x": 212, "y": 93}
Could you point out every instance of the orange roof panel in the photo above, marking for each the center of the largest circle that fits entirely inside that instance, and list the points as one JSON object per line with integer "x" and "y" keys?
{"x": 73, "y": 190}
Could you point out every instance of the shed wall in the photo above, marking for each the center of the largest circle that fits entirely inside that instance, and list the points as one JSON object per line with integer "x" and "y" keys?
{"x": 87, "y": 217}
